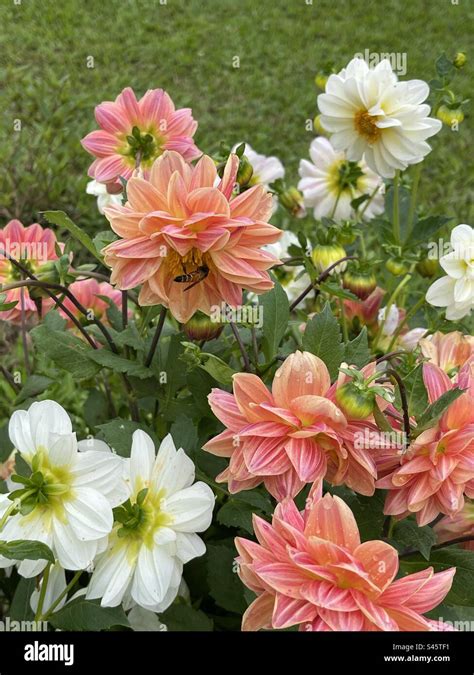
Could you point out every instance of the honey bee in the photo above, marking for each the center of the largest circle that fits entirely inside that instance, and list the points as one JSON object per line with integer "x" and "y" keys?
{"x": 195, "y": 277}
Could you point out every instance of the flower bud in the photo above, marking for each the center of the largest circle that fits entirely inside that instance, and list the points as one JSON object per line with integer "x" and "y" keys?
{"x": 459, "y": 60}
{"x": 427, "y": 267}
{"x": 292, "y": 200}
{"x": 245, "y": 172}
{"x": 320, "y": 80}
{"x": 325, "y": 255}
{"x": 202, "y": 327}
{"x": 318, "y": 127}
{"x": 356, "y": 402}
{"x": 396, "y": 266}
{"x": 450, "y": 116}
{"x": 360, "y": 283}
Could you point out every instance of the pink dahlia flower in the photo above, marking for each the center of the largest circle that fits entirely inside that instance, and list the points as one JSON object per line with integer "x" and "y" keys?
{"x": 438, "y": 468}
{"x": 459, "y": 526}
{"x": 310, "y": 570}
{"x": 90, "y": 294}
{"x": 35, "y": 248}
{"x": 449, "y": 351}
{"x": 290, "y": 436}
{"x": 192, "y": 245}
{"x": 130, "y": 128}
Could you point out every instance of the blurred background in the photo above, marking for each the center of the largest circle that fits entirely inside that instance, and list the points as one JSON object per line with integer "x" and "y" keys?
{"x": 188, "y": 47}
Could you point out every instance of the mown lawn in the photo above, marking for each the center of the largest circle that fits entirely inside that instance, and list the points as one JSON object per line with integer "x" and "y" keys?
{"x": 188, "y": 47}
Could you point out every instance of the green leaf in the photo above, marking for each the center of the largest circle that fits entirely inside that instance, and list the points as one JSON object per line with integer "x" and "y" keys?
{"x": 6, "y": 446}
{"x": 236, "y": 513}
{"x": 103, "y": 238}
{"x": 4, "y": 306}
{"x": 462, "y": 591}
{"x": 61, "y": 219}
{"x": 184, "y": 618}
{"x": 436, "y": 409}
{"x": 417, "y": 396}
{"x": 444, "y": 66}
{"x": 425, "y": 229}
{"x": 337, "y": 291}
{"x": 118, "y": 434}
{"x": 20, "y": 609}
{"x": 357, "y": 352}
{"x": 217, "y": 368}
{"x": 81, "y": 614}
{"x": 95, "y": 408}
{"x": 408, "y": 535}
{"x": 224, "y": 583}
{"x": 119, "y": 364}
{"x": 322, "y": 337}
{"x": 276, "y": 314}
{"x": 35, "y": 385}
{"x": 54, "y": 320}
{"x": 184, "y": 433}
{"x": 66, "y": 350}
{"x": 25, "y": 549}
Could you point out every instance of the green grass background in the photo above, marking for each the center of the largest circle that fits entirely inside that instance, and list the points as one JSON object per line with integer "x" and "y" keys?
{"x": 187, "y": 47}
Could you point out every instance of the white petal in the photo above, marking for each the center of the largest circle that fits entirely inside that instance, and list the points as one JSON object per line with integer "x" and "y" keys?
{"x": 72, "y": 553}
{"x": 63, "y": 450}
{"x": 191, "y": 508}
{"x": 112, "y": 575}
{"x": 441, "y": 293}
{"x": 152, "y": 576}
{"x": 104, "y": 472}
{"x": 142, "y": 458}
{"x": 189, "y": 546}
{"x": 89, "y": 514}
{"x": 173, "y": 469}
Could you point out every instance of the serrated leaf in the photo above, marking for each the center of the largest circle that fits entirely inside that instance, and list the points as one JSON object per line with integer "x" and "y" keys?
{"x": 425, "y": 229}
{"x": 25, "y": 549}
{"x": 184, "y": 433}
{"x": 357, "y": 352}
{"x": 218, "y": 369}
{"x": 417, "y": 396}
{"x": 119, "y": 364}
{"x": 322, "y": 337}
{"x": 35, "y": 385}
{"x": 66, "y": 350}
{"x": 236, "y": 513}
{"x": 61, "y": 219}
{"x": 437, "y": 408}
{"x": 408, "y": 535}
{"x": 224, "y": 583}
{"x": 337, "y": 291}
{"x": 276, "y": 314}
{"x": 118, "y": 434}
{"x": 20, "y": 609}
{"x": 81, "y": 614}
{"x": 184, "y": 618}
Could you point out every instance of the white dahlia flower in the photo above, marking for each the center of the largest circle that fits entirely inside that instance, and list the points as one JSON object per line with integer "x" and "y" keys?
{"x": 370, "y": 113}
{"x": 155, "y": 531}
{"x": 330, "y": 182}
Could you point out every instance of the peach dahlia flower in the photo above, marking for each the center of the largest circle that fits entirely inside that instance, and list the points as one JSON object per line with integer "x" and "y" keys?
{"x": 438, "y": 468}
{"x": 449, "y": 351}
{"x": 178, "y": 225}
{"x": 33, "y": 246}
{"x": 310, "y": 570}
{"x": 290, "y": 436}
{"x": 160, "y": 127}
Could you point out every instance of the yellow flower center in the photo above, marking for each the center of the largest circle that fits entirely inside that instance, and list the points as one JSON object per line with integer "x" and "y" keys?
{"x": 365, "y": 126}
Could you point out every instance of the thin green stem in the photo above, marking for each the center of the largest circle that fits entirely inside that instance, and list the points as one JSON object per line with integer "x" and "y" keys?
{"x": 414, "y": 195}
{"x": 369, "y": 200}
{"x": 396, "y": 207}
{"x": 63, "y": 594}
{"x": 362, "y": 245}
{"x": 42, "y": 595}
{"x": 343, "y": 320}
{"x": 7, "y": 513}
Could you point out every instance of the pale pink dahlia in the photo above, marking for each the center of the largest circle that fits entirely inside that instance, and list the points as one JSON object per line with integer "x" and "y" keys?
{"x": 449, "y": 351}
{"x": 438, "y": 468}
{"x": 192, "y": 245}
{"x": 90, "y": 293}
{"x": 129, "y": 127}
{"x": 290, "y": 436}
{"x": 35, "y": 248}
{"x": 310, "y": 570}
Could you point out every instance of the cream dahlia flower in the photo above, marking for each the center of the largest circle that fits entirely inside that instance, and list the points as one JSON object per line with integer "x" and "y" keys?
{"x": 330, "y": 183}
{"x": 369, "y": 112}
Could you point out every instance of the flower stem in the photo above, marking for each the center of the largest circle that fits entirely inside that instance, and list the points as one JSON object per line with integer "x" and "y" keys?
{"x": 63, "y": 594}
{"x": 396, "y": 207}
{"x": 7, "y": 513}
{"x": 24, "y": 335}
{"x": 414, "y": 196}
{"x": 343, "y": 320}
{"x": 42, "y": 595}
{"x": 322, "y": 277}
{"x": 156, "y": 337}
{"x": 243, "y": 351}
{"x": 403, "y": 397}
